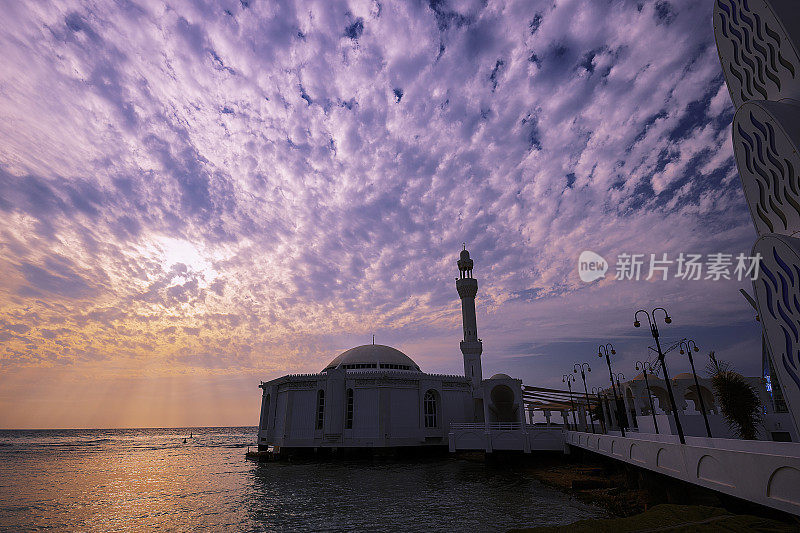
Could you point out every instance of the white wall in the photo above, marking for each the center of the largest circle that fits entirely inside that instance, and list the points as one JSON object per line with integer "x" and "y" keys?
{"x": 365, "y": 413}
{"x": 304, "y": 413}
{"x": 404, "y": 411}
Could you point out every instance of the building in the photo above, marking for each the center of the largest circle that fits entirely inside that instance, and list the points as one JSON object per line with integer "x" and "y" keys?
{"x": 765, "y": 138}
{"x": 375, "y": 396}
{"x": 648, "y": 409}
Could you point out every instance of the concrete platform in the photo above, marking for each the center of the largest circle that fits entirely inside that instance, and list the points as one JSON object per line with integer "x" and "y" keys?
{"x": 763, "y": 472}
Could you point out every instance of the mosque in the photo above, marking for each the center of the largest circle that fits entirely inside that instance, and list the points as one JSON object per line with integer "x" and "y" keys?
{"x": 375, "y": 396}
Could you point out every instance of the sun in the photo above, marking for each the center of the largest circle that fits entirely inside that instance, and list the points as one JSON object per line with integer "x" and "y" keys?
{"x": 171, "y": 251}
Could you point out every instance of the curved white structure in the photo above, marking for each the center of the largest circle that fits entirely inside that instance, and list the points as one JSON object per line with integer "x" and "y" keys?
{"x": 759, "y": 48}
{"x": 778, "y": 296}
{"x": 765, "y": 142}
{"x": 758, "y": 42}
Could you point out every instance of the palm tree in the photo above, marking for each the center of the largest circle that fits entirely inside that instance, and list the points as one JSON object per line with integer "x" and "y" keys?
{"x": 738, "y": 400}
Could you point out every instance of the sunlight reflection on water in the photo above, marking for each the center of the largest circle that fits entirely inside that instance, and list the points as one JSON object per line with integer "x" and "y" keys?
{"x": 106, "y": 480}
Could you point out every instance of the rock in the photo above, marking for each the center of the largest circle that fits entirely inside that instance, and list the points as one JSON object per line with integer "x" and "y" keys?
{"x": 588, "y": 484}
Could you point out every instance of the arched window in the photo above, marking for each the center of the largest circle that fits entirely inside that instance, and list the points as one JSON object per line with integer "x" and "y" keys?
{"x": 320, "y": 408}
{"x": 429, "y": 408}
{"x": 265, "y": 413}
{"x": 348, "y": 419}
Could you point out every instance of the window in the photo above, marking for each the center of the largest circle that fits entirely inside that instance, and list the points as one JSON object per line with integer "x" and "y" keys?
{"x": 320, "y": 408}
{"x": 429, "y": 408}
{"x": 348, "y": 419}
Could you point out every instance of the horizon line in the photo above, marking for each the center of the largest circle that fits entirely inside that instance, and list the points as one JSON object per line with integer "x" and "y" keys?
{"x": 107, "y": 428}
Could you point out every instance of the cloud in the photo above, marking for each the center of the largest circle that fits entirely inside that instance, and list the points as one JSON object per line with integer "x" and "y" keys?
{"x": 315, "y": 168}
{"x": 59, "y": 280}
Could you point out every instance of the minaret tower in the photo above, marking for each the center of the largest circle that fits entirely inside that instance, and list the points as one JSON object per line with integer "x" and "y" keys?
{"x": 471, "y": 346}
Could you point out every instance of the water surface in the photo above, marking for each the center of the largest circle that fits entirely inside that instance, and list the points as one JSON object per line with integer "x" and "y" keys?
{"x": 136, "y": 479}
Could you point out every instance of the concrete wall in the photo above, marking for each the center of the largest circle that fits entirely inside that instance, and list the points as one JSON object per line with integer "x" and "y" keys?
{"x": 303, "y": 416}
{"x": 405, "y": 406}
{"x": 279, "y": 418}
{"x": 365, "y": 414}
{"x": 456, "y": 407}
{"x": 387, "y": 409}
{"x": 504, "y": 437}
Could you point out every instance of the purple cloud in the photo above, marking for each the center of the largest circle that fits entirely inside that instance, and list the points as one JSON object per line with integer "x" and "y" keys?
{"x": 315, "y": 168}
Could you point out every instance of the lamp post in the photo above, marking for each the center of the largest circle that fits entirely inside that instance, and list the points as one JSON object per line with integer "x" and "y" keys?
{"x": 601, "y": 351}
{"x": 622, "y": 407}
{"x": 575, "y": 368}
{"x": 566, "y": 379}
{"x": 608, "y": 410}
{"x": 655, "y": 334}
{"x": 689, "y": 346}
{"x": 600, "y": 416}
{"x": 645, "y": 366}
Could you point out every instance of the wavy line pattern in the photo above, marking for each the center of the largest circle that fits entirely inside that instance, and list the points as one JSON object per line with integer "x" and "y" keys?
{"x": 757, "y": 62}
{"x": 781, "y": 287}
{"x": 777, "y": 204}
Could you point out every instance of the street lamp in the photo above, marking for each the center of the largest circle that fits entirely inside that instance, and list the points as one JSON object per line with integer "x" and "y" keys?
{"x": 575, "y": 368}
{"x": 689, "y": 346}
{"x": 620, "y": 376}
{"x": 607, "y": 403}
{"x": 566, "y": 379}
{"x": 600, "y": 416}
{"x": 655, "y": 334}
{"x": 601, "y": 351}
{"x": 644, "y": 366}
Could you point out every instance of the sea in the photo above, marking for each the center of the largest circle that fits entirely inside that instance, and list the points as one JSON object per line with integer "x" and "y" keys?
{"x": 150, "y": 480}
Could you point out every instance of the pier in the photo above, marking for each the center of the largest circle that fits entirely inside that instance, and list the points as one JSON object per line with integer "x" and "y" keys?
{"x": 763, "y": 472}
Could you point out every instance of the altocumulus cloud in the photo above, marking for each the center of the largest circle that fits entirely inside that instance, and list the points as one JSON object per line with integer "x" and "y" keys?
{"x": 235, "y": 186}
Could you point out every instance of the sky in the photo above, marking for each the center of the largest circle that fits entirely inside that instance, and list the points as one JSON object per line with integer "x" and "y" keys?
{"x": 196, "y": 196}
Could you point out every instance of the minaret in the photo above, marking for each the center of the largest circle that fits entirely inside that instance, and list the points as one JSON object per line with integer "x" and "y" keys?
{"x": 471, "y": 346}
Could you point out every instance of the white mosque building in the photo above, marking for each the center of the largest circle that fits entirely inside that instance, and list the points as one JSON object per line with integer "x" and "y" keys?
{"x": 375, "y": 396}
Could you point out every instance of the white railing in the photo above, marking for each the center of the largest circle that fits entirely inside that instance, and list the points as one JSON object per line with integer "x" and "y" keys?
{"x": 478, "y": 425}
{"x": 764, "y": 472}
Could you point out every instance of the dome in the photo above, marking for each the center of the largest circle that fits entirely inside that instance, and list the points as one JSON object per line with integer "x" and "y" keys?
{"x": 375, "y": 356}
{"x": 464, "y": 254}
{"x": 500, "y": 376}
{"x": 683, "y": 375}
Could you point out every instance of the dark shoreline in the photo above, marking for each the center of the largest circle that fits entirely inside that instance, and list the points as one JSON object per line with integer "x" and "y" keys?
{"x": 668, "y": 517}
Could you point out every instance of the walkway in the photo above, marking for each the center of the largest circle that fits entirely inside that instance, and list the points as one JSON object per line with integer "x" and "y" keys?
{"x": 763, "y": 472}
